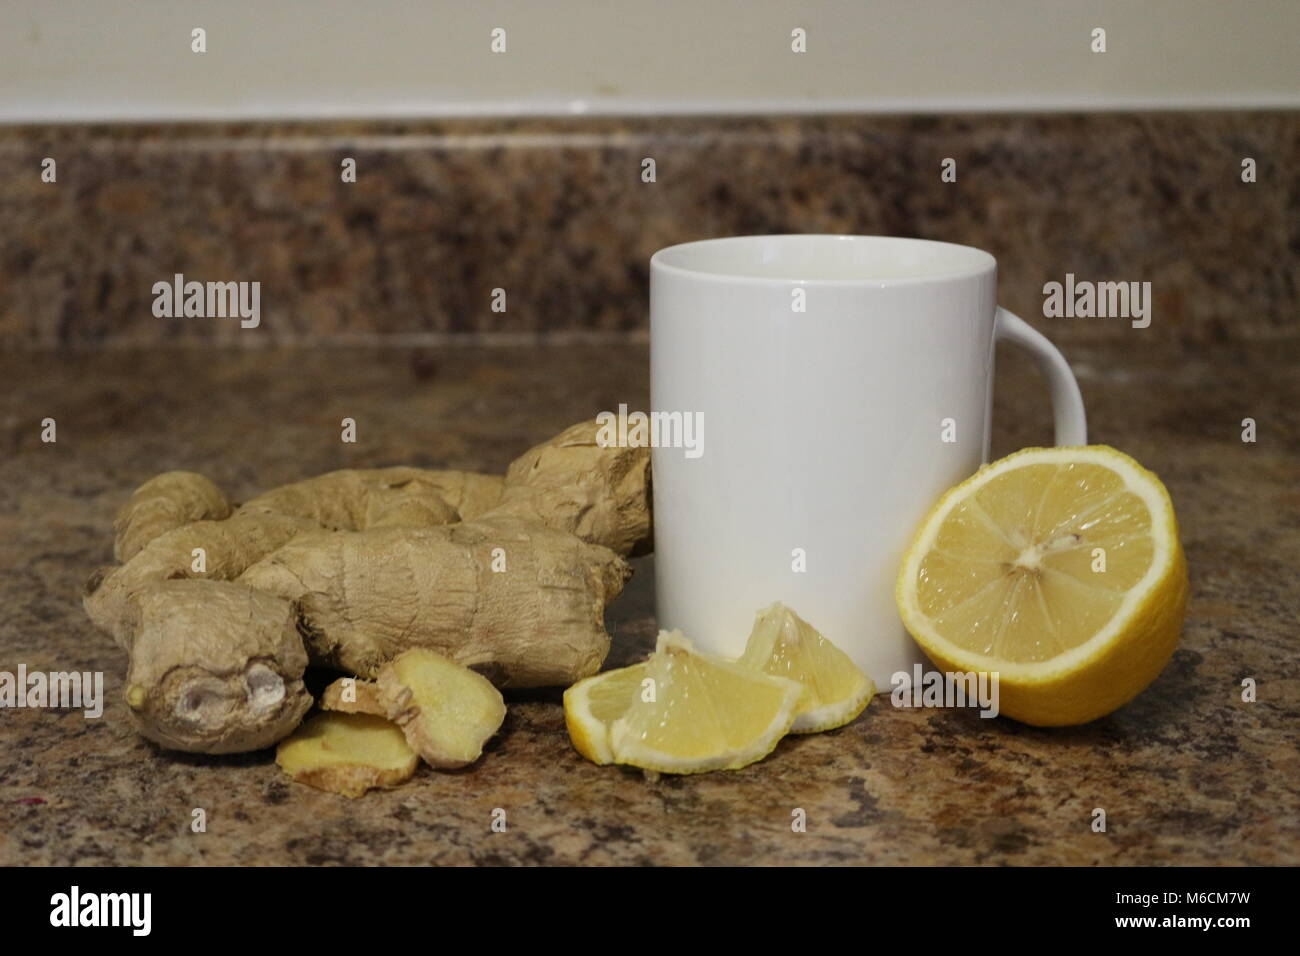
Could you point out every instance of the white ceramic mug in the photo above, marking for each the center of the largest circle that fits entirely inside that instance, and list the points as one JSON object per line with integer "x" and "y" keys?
{"x": 844, "y": 383}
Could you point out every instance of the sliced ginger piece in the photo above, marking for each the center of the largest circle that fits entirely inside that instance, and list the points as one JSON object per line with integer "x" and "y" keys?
{"x": 447, "y": 711}
{"x": 352, "y": 695}
{"x": 347, "y": 754}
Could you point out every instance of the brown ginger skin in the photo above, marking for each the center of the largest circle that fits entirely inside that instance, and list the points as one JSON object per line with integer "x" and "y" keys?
{"x": 164, "y": 502}
{"x": 357, "y": 499}
{"x": 215, "y": 667}
{"x": 574, "y": 483}
{"x": 228, "y": 548}
{"x": 348, "y": 500}
{"x": 365, "y": 597}
{"x": 509, "y": 576}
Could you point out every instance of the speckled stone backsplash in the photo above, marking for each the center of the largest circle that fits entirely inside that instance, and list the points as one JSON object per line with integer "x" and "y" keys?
{"x": 556, "y": 213}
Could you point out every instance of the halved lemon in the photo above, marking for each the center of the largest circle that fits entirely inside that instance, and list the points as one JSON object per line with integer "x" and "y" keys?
{"x": 785, "y": 645}
{"x": 1058, "y": 568}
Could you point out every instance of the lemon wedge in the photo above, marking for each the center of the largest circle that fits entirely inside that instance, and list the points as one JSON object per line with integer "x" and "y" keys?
{"x": 785, "y": 645}
{"x": 1061, "y": 570}
{"x": 680, "y": 712}
{"x": 594, "y": 703}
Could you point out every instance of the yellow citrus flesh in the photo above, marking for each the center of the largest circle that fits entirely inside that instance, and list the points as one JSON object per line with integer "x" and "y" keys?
{"x": 594, "y": 703}
{"x": 785, "y": 645}
{"x": 702, "y": 713}
{"x": 1058, "y": 568}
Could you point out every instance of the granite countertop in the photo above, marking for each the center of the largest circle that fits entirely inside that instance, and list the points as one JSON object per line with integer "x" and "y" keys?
{"x": 555, "y": 211}
{"x": 1187, "y": 773}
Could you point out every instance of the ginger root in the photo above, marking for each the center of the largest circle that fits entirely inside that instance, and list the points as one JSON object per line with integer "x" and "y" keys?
{"x": 573, "y": 483}
{"x": 226, "y": 549}
{"x": 215, "y": 667}
{"x": 446, "y": 711}
{"x": 519, "y": 601}
{"x": 164, "y": 502}
{"x": 349, "y": 500}
{"x": 347, "y": 754}
{"x": 507, "y": 575}
{"x": 357, "y": 499}
{"x": 352, "y": 695}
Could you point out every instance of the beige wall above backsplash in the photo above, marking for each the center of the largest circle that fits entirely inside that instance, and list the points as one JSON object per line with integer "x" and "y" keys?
{"x": 555, "y": 212}
{"x": 131, "y": 60}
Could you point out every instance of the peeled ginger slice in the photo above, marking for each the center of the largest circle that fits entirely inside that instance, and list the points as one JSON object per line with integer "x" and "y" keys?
{"x": 347, "y": 753}
{"x": 447, "y": 711}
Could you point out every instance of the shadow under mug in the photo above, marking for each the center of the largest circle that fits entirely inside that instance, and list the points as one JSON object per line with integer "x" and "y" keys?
{"x": 839, "y": 385}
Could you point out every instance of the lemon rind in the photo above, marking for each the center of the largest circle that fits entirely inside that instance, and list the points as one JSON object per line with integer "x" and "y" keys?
{"x": 592, "y": 745}
{"x": 838, "y": 714}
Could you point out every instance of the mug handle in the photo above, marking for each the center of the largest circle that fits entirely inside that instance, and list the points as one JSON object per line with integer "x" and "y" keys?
{"x": 1067, "y": 401}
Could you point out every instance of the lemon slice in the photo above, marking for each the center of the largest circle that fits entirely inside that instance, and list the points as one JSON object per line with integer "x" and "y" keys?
{"x": 1058, "y": 568}
{"x": 785, "y": 645}
{"x": 594, "y": 703}
{"x": 703, "y": 713}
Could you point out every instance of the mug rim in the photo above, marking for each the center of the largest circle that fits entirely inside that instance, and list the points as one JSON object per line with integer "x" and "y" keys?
{"x": 979, "y": 261}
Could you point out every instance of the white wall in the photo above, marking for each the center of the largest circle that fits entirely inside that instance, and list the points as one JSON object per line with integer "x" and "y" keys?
{"x": 64, "y": 60}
